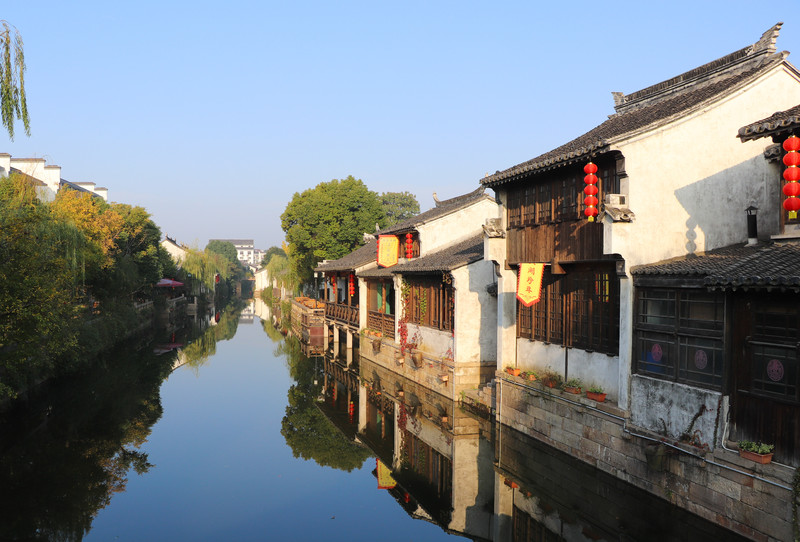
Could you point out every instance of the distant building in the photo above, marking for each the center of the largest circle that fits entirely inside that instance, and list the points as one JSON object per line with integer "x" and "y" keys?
{"x": 177, "y": 251}
{"x": 46, "y": 178}
{"x": 245, "y": 250}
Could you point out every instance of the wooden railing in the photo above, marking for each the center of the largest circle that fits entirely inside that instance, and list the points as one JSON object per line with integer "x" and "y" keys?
{"x": 342, "y": 313}
{"x": 378, "y": 321}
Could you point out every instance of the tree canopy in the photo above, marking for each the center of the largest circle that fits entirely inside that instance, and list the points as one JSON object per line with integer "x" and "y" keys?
{"x": 272, "y": 251}
{"x": 13, "y": 103}
{"x": 398, "y": 206}
{"x": 329, "y": 221}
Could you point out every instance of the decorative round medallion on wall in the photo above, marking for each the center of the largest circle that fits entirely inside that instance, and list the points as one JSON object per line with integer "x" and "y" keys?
{"x": 700, "y": 359}
{"x": 775, "y": 370}
{"x": 656, "y": 352}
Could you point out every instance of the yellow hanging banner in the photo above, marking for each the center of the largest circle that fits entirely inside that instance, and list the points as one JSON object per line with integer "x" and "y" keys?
{"x": 388, "y": 246}
{"x": 385, "y": 480}
{"x": 529, "y": 283}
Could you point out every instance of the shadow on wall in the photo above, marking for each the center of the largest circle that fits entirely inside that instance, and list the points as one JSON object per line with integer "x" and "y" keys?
{"x": 480, "y": 277}
{"x": 711, "y": 202}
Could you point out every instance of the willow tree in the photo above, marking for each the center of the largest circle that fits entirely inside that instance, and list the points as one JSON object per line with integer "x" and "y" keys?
{"x": 12, "y": 80}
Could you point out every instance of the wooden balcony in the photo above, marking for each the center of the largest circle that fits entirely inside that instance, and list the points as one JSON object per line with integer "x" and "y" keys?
{"x": 344, "y": 314}
{"x": 377, "y": 321}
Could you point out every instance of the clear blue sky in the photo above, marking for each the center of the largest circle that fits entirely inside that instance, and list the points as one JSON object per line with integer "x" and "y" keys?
{"x": 212, "y": 115}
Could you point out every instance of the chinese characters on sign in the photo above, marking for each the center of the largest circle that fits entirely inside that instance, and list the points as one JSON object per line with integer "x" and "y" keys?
{"x": 529, "y": 283}
{"x": 388, "y": 246}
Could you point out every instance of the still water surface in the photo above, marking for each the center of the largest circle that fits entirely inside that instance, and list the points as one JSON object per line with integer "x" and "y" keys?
{"x": 232, "y": 446}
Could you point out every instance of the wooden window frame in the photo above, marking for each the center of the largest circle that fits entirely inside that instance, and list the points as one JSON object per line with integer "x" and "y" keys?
{"x": 673, "y": 342}
{"x": 579, "y": 310}
{"x": 439, "y": 296}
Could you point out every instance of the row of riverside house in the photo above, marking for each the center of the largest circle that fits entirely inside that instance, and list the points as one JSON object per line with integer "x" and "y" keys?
{"x": 681, "y": 300}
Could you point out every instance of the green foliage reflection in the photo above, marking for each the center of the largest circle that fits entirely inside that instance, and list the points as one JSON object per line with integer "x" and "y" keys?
{"x": 307, "y": 431}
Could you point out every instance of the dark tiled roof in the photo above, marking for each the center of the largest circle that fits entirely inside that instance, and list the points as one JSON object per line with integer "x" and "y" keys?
{"x": 33, "y": 180}
{"x": 447, "y": 259}
{"x": 442, "y": 208}
{"x": 782, "y": 121}
{"x": 360, "y": 256}
{"x": 78, "y": 188}
{"x": 769, "y": 265}
{"x": 657, "y": 105}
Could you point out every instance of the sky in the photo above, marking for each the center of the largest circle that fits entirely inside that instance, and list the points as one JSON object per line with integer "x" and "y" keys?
{"x": 213, "y": 115}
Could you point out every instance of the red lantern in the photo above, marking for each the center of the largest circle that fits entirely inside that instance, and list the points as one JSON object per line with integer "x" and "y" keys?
{"x": 792, "y": 144}
{"x": 792, "y": 158}
{"x": 591, "y": 190}
{"x": 791, "y": 190}
{"x": 792, "y": 205}
{"x": 352, "y": 284}
{"x": 792, "y": 175}
{"x": 409, "y": 245}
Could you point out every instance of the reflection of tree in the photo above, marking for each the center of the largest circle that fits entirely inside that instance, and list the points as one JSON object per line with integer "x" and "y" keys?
{"x": 307, "y": 431}
{"x": 69, "y": 446}
{"x": 203, "y": 347}
{"x": 272, "y": 332}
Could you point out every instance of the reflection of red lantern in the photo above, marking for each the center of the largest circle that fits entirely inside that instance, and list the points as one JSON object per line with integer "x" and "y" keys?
{"x": 409, "y": 245}
{"x": 792, "y": 175}
{"x": 216, "y": 278}
{"x": 591, "y": 190}
{"x": 216, "y": 317}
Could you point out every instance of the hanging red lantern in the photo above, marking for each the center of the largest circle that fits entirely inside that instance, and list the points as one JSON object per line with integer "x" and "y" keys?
{"x": 352, "y": 284}
{"x": 792, "y": 143}
{"x": 409, "y": 245}
{"x": 792, "y": 175}
{"x": 591, "y": 190}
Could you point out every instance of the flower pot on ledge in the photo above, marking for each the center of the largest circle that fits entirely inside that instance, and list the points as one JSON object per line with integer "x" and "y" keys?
{"x": 763, "y": 459}
{"x": 513, "y": 371}
{"x": 573, "y": 389}
{"x": 596, "y": 396}
{"x": 417, "y": 359}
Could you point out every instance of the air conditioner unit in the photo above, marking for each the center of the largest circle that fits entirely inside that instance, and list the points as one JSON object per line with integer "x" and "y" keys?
{"x": 616, "y": 200}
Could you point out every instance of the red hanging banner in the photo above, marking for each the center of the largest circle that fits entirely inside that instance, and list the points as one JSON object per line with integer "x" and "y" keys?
{"x": 529, "y": 283}
{"x": 388, "y": 247}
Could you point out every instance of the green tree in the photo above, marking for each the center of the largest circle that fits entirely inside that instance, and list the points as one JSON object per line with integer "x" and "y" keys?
{"x": 12, "y": 80}
{"x": 41, "y": 261}
{"x": 272, "y": 251}
{"x": 328, "y": 221}
{"x": 223, "y": 248}
{"x": 398, "y": 206}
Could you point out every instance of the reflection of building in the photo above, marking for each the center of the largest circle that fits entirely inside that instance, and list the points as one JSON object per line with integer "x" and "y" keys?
{"x": 544, "y": 494}
{"x": 247, "y": 316}
{"x": 441, "y": 464}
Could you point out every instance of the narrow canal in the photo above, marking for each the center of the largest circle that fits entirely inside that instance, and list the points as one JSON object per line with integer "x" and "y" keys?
{"x": 230, "y": 432}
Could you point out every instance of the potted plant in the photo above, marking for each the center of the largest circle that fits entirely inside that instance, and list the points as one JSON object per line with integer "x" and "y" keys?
{"x": 596, "y": 393}
{"x": 756, "y": 451}
{"x": 551, "y": 379}
{"x": 513, "y": 371}
{"x": 573, "y": 385}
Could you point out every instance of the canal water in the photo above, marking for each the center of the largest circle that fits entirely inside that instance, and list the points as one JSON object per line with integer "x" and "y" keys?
{"x": 229, "y": 431}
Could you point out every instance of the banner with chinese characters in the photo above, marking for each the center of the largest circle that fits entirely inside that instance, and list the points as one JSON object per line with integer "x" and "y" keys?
{"x": 385, "y": 480}
{"x": 388, "y": 247}
{"x": 529, "y": 283}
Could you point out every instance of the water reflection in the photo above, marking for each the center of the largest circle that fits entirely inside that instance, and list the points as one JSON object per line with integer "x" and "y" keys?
{"x": 67, "y": 447}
